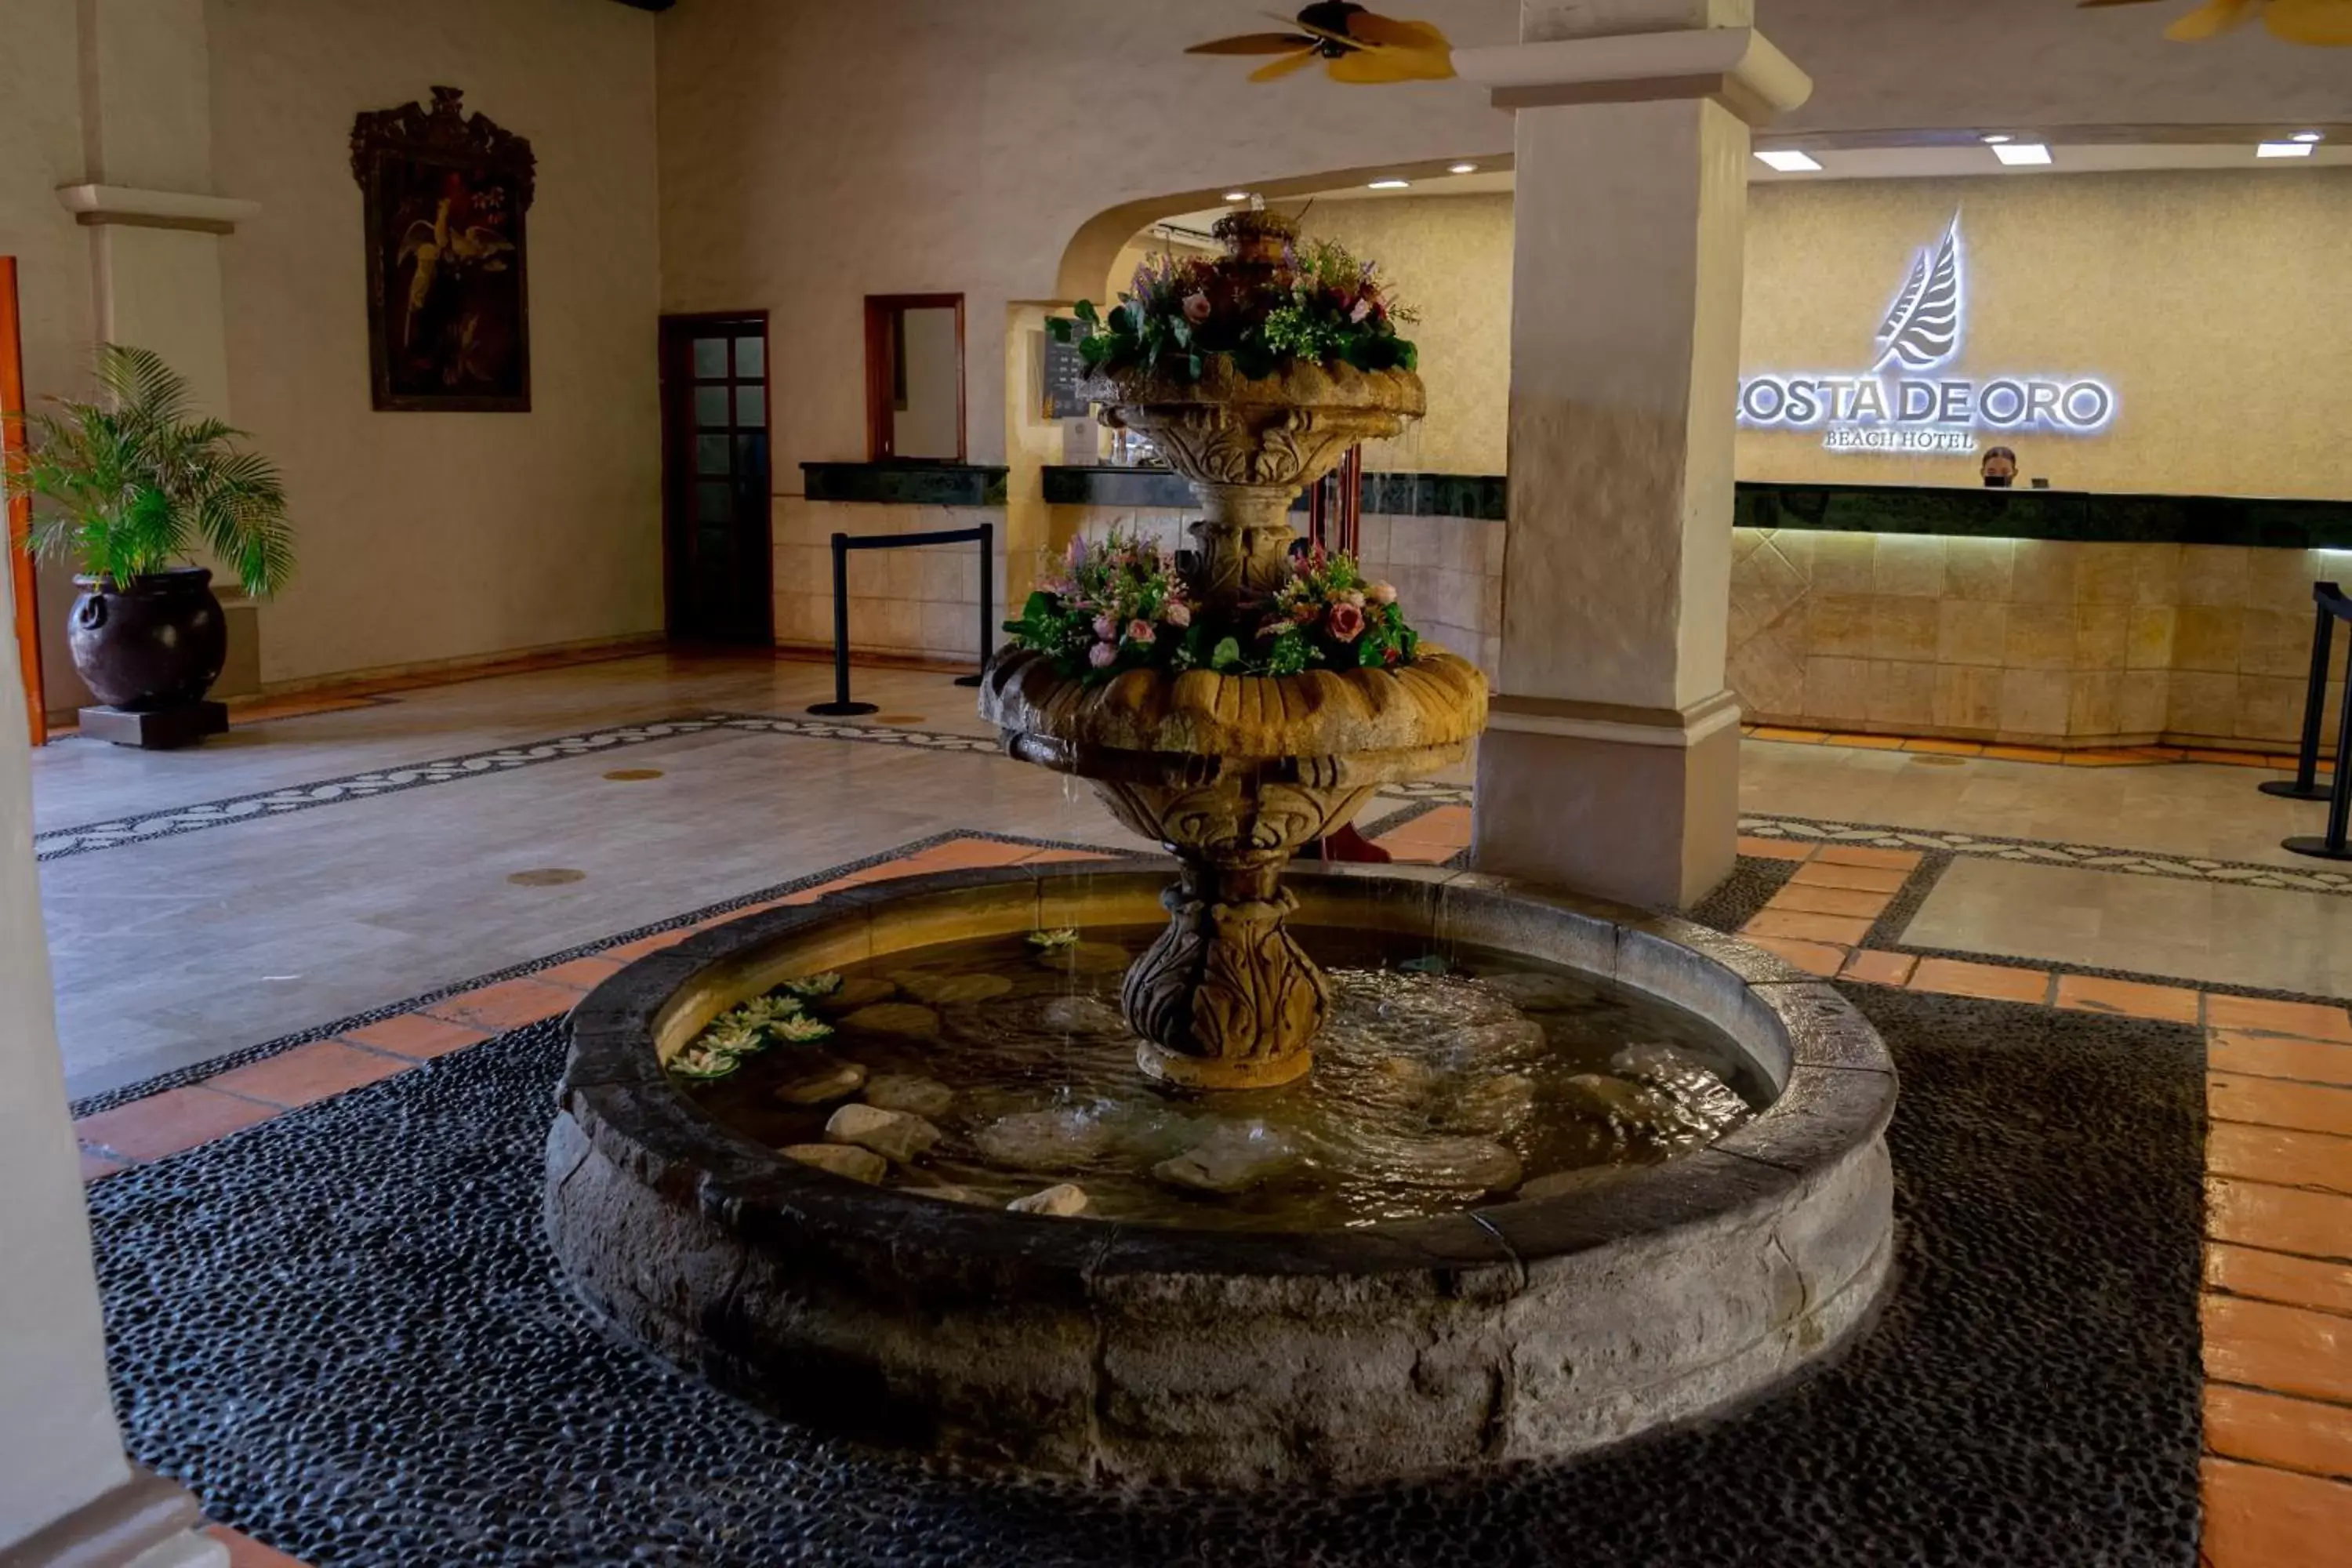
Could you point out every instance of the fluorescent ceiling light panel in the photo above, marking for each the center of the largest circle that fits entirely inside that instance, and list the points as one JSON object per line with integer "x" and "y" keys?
{"x": 1788, "y": 161}
{"x": 2282, "y": 150}
{"x": 1997, "y": 138}
{"x": 2018, "y": 153}
{"x": 1388, "y": 185}
{"x": 1464, "y": 169}
{"x": 1236, "y": 195}
{"x": 2304, "y": 136}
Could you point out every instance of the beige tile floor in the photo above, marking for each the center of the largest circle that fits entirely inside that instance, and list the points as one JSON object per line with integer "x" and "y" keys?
{"x": 183, "y": 949}
{"x": 2216, "y": 935}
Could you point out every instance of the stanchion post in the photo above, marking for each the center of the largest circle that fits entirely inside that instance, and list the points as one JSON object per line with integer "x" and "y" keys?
{"x": 841, "y": 706}
{"x": 2306, "y": 783}
{"x": 987, "y": 604}
{"x": 2331, "y": 845}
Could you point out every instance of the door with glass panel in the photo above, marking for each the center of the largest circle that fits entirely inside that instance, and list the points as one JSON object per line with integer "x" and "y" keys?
{"x": 715, "y": 480}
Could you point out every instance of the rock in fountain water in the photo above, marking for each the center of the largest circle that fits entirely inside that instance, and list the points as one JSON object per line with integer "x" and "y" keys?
{"x": 904, "y": 1091}
{"x": 895, "y": 1018}
{"x": 859, "y": 991}
{"x": 1235, "y": 1158}
{"x": 1474, "y": 1164}
{"x": 841, "y": 1160}
{"x": 945, "y": 990}
{"x": 1062, "y": 1202}
{"x": 893, "y": 1134}
{"x": 829, "y": 1081}
{"x": 1496, "y": 1106}
{"x": 1061, "y": 1139}
{"x": 1083, "y": 1015}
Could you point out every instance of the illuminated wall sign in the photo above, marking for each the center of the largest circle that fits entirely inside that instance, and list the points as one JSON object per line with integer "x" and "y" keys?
{"x": 1899, "y": 406}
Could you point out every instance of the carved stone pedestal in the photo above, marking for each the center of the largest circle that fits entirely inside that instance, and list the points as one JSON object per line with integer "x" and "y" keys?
{"x": 1235, "y": 774}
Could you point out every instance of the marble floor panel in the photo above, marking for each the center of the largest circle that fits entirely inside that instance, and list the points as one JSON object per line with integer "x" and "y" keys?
{"x": 2262, "y": 939}
{"x": 2181, "y": 808}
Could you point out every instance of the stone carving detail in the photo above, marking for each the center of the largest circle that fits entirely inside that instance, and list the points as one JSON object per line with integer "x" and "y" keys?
{"x": 1225, "y": 998}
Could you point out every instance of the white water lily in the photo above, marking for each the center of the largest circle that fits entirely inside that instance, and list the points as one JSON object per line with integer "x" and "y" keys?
{"x": 801, "y": 1030}
{"x": 815, "y": 985}
{"x": 699, "y": 1062}
{"x": 1060, "y": 936}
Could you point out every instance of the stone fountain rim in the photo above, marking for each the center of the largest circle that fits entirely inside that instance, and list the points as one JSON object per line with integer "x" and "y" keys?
{"x": 1160, "y": 712}
{"x": 1308, "y": 385}
{"x": 1836, "y": 1095}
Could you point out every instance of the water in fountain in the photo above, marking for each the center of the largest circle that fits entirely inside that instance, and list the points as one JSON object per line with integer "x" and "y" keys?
{"x": 1462, "y": 1079}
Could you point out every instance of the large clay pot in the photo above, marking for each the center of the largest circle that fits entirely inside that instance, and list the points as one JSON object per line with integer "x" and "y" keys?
{"x": 154, "y": 643}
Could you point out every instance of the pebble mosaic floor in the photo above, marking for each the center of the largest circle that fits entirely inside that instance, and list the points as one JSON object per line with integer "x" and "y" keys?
{"x": 2277, "y": 1444}
{"x": 366, "y": 1359}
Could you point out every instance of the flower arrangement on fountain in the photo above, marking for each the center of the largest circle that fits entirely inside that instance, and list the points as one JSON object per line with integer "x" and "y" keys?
{"x": 1121, "y": 604}
{"x": 1315, "y": 302}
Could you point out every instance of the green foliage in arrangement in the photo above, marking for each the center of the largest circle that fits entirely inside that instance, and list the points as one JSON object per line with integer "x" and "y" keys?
{"x": 1319, "y": 304}
{"x": 136, "y": 483}
{"x": 1120, "y": 604}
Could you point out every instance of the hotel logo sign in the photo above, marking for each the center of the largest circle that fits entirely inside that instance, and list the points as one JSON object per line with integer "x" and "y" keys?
{"x": 1902, "y": 403}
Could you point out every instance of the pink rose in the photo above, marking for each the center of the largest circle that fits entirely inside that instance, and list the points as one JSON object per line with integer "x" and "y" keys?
{"x": 1139, "y": 630}
{"x": 1176, "y": 613}
{"x": 1196, "y": 308}
{"x": 1101, "y": 654}
{"x": 1347, "y": 622}
{"x": 1106, "y": 628}
{"x": 1384, "y": 594}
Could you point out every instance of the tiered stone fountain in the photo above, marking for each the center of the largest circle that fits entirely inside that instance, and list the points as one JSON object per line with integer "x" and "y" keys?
{"x": 1566, "y": 1316}
{"x": 1234, "y": 774}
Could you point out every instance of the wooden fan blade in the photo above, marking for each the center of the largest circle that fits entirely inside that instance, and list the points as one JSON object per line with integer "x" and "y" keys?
{"x": 1254, "y": 44}
{"x": 1388, "y": 32}
{"x": 2325, "y": 22}
{"x": 2217, "y": 17}
{"x": 1374, "y": 68}
{"x": 1281, "y": 68}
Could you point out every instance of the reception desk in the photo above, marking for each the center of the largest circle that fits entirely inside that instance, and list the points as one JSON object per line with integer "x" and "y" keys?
{"x": 2032, "y": 617}
{"x": 2038, "y": 617}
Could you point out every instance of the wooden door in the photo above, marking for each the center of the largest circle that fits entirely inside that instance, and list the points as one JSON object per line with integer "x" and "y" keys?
{"x": 23, "y": 602}
{"x": 716, "y": 485}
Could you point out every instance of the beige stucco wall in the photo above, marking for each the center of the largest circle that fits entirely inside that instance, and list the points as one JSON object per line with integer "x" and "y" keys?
{"x": 2214, "y": 303}
{"x": 1449, "y": 258}
{"x": 40, "y": 149}
{"x": 435, "y": 536}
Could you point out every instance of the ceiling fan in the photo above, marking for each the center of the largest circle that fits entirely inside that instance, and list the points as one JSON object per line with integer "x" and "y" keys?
{"x": 1354, "y": 44}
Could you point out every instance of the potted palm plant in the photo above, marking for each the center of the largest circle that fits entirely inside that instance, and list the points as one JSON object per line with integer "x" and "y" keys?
{"x": 136, "y": 483}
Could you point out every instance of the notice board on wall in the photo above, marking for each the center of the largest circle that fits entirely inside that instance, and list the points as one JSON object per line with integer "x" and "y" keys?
{"x": 1063, "y": 370}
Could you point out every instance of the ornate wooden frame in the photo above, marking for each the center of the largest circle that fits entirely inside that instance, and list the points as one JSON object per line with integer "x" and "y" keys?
{"x": 442, "y": 136}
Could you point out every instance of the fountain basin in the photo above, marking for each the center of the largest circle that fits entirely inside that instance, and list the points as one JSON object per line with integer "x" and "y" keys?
{"x": 1130, "y": 1354}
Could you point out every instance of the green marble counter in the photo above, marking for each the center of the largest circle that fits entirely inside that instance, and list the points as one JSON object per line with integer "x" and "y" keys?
{"x": 1957, "y": 511}
{"x": 905, "y": 484}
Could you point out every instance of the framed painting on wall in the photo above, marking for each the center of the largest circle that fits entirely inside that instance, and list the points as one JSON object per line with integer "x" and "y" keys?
{"x": 444, "y": 193}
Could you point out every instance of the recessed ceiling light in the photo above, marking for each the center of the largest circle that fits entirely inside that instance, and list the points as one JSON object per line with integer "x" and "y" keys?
{"x": 2304, "y": 136}
{"x": 2021, "y": 153}
{"x": 1388, "y": 185}
{"x": 1788, "y": 161}
{"x": 2282, "y": 150}
{"x": 1236, "y": 195}
{"x": 1463, "y": 169}
{"x": 1997, "y": 138}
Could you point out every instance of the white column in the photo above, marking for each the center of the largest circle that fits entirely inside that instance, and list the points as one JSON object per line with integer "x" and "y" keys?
{"x": 67, "y": 1492}
{"x": 1611, "y": 762}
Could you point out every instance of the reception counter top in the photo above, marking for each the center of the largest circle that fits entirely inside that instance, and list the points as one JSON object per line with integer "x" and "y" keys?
{"x": 2079, "y": 516}
{"x": 1948, "y": 511}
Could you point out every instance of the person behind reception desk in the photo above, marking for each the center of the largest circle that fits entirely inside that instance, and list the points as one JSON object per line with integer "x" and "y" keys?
{"x": 1998, "y": 467}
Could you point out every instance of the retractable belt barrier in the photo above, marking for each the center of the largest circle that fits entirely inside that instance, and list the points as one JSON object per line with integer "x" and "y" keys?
{"x": 843, "y": 544}
{"x": 2332, "y": 606}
